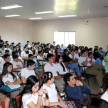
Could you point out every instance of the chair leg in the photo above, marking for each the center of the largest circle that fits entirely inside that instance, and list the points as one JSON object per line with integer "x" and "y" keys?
{"x": 12, "y": 101}
{"x": 88, "y": 82}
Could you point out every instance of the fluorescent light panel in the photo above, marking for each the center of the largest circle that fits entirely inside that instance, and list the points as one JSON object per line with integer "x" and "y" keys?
{"x": 11, "y": 15}
{"x": 35, "y": 18}
{"x": 11, "y": 7}
{"x": 45, "y": 12}
{"x": 68, "y": 16}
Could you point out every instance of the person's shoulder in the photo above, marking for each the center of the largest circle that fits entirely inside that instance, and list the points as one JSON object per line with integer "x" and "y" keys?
{"x": 26, "y": 96}
{"x": 24, "y": 69}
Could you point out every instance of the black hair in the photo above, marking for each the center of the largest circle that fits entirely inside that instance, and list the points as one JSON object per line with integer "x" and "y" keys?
{"x": 83, "y": 51}
{"x": 46, "y": 50}
{"x": 56, "y": 51}
{"x": 97, "y": 103}
{"x": 31, "y": 81}
{"x": 49, "y": 56}
{"x": 51, "y": 47}
{"x": 95, "y": 50}
{"x": 30, "y": 55}
{"x": 67, "y": 77}
{"x": 14, "y": 53}
{"x": 15, "y": 56}
{"x": 39, "y": 52}
{"x": 65, "y": 50}
{"x": 89, "y": 53}
{"x": 27, "y": 41}
{"x": 6, "y": 56}
{"x": 105, "y": 82}
{"x": 6, "y": 51}
{"x": 57, "y": 60}
{"x": 5, "y": 71}
{"x": 30, "y": 63}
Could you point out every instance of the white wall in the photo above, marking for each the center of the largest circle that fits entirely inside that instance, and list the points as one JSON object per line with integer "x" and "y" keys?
{"x": 95, "y": 33}
{"x": 16, "y": 30}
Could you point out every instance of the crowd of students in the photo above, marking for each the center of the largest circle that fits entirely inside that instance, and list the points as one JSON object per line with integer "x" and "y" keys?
{"x": 18, "y": 65}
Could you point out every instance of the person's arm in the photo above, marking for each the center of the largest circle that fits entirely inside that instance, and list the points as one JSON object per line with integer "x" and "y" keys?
{"x": 23, "y": 79}
{"x": 24, "y": 58}
{"x": 85, "y": 62}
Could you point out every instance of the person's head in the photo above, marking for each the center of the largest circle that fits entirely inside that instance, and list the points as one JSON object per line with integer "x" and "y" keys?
{"x": 54, "y": 43}
{"x": 7, "y": 46}
{"x": 10, "y": 46}
{"x": 95, "y": 50}
{"x": 46, "y": 50}
{"x": 65, "y": 51}
{"x": 50, "y": 58}
{"x": 6, "y": 58}
{"x": 90, "y": 54}
{"x": 7, "y": 52}
{"x": 14, "y": 48}
{"x": 30, "y": 56}
{"x": 25, "y": 49}
{"x": 14, "y": 53}
{"x": 47, "y": 77}
{"x": 39, "y": 48}
{"x": 3, "y": 47}
{"x": 31, "y": 64}
{"x": 57, "y": 51}
{"x": 15, "y": 58}
{"x": 51, "y": 48}
{"x": 100, "y": 49}
{"x": 76, "y": 50}
{"x": 83, "y": 53}
{"x": 28, "y": 42}
{"x": 19, "y": 44}
{"x": 97, "y": 103}
{"x": 32, "y": 85}
{"x": 61, "y": 45}
{"x": 58, "y": 59}
{"x": 69, "y": 79}
{"x": 72, "y": 52}
{"x": 96, "y": 47}
{"x": 58, "y": 46}
{"x": 105, "y": 82}
{"x": 40, "y": 53}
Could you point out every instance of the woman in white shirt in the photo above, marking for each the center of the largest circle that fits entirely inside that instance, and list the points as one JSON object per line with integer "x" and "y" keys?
{"x": 60, "y": 66}
{"x": 31, "y": 96}
{"x": 47, "y": 82}
{"x": 9, "y": 78}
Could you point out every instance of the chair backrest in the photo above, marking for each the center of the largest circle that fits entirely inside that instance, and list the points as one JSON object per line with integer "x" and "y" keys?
{"x": 3, "y": 104}
{"x": 18, "y": 101}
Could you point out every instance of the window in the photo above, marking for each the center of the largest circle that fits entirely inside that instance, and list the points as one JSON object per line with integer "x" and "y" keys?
{"x": 64, "y": 38}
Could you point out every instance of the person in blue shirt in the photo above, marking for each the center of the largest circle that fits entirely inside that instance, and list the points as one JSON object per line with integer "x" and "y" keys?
{"x": 74, "y": 88}
{"x": 30, "y": 57}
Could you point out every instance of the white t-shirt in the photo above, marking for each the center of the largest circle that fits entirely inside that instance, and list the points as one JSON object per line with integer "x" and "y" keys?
{"x": 51, "y": 52}
{"x": 49, "y": 68}
{"x": 26, "y": 73}
{"x": 52, "y": 93}
{"x": 76, "y": 56}
{"x": 1, "y": 66}
{"x": 105, "y": 96}
{"x": 93, "y": 60}
{"x": 23, "y": 54}
{"x": 70, "y": 55}
{"x": 8, "y": 77}
{"x": 60, "y": 68}
{"x": 1, "y": 59}
{"x": 40, "y": 58}
{"x": 27, "y": 98}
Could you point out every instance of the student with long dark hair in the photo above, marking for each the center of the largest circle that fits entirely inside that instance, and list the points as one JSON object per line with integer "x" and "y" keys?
{"x": 47, "y": 82}
{"x": 32, "y": 96}
{"x": 60, "y": 66}
{"x": 9, "y": 78}
{"x": 57, "y": 52}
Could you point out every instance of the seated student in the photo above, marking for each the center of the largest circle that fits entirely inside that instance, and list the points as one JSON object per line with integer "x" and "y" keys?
{"x": 5, "y": 99}
{"x": 83, "y": 61}
{"x": 71, "y": 55}
{"x": 8, "y": 48}
{"x": 17, "y": 65}
{"x": 47, "y": 82}
{"x": 40, "y": 57}
{"x": 6, "y": 59}
{"x": 105, "y": 62}
{"x": 46, "y": 52}
{"x": 9, "y": 78}
{"x": 76, "y": 56}
{"x": 32, "y": 96}
{"x": 57, "y": 52}
{"x": 60, "y": 66}
{"x": 51, "y": 51}
{"x": 54, "y": 46}
{"x": 101, "y": 51}
{"x": 105, "y": 86}
{"x": 30, "y": 57}
{"x": 15, "y": 49}
{"x": 26, "y": 72}
{"x": 50, "y": 66}
{"x": 67, "y": 59}
{"x": 39, "y": 49}
{"x": 24, "y": 54}
{"x": 61, "y": 48}
{"x": 74, "y": 88}
{"x": 97, "y": 103}
{"x": 2, "y": 50}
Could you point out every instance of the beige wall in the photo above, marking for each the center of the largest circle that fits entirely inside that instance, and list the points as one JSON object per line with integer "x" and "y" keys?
{"x": 16, "y": 30}
{"x": 95, "y": 33}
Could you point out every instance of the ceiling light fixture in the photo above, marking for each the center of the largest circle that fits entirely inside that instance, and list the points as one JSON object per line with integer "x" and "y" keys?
{"x": 11, "y": 15}
{"x": 11, "y": 7}
{"x": 68, "y": 16}
{"x": 35, "y": 18}
{"x": 45, "y": 12}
